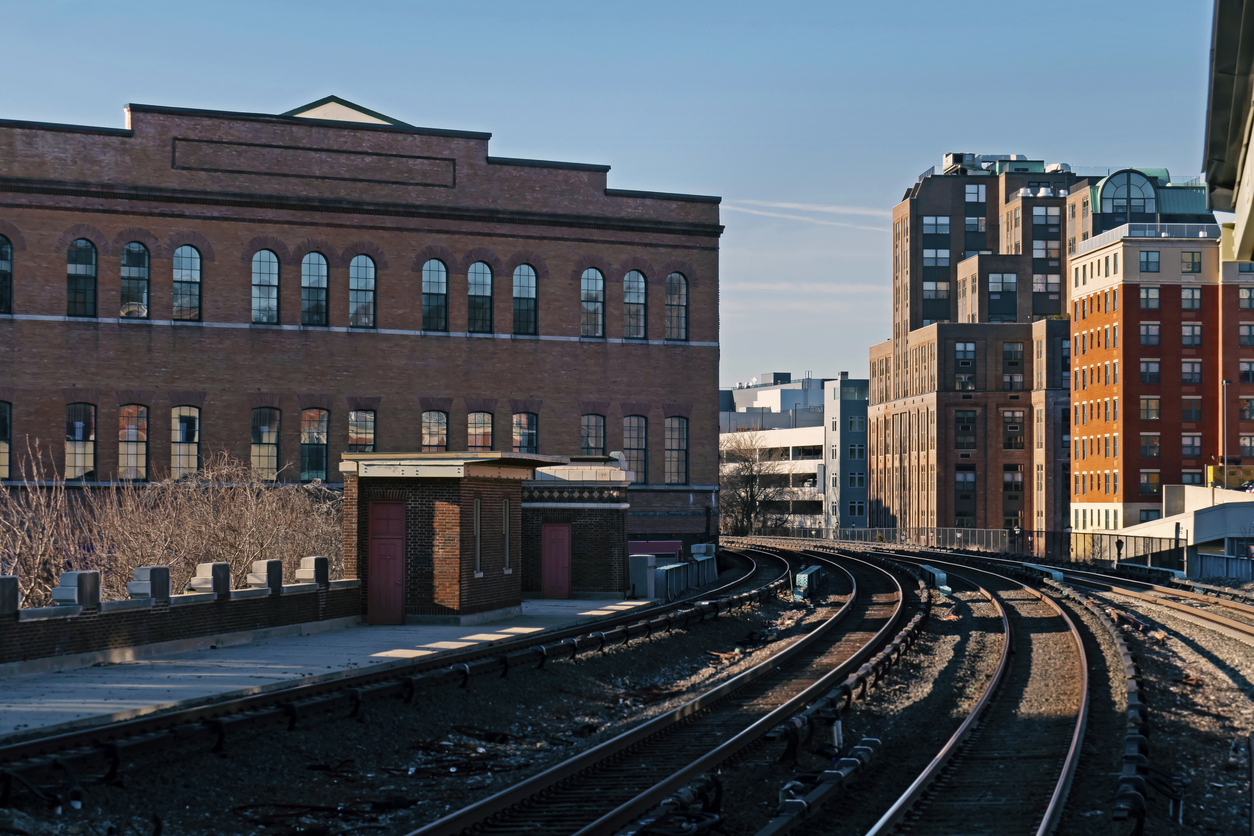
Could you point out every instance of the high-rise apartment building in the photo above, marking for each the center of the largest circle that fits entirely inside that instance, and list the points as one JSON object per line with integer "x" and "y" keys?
{"x": 844, "y": 453}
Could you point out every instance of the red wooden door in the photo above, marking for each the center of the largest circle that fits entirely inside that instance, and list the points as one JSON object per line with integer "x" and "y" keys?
{"x": 555, "y": 560}
{"x": 385, "y": 603}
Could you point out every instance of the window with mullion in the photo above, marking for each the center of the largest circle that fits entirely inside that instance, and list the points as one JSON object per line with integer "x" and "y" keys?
{"x": 313, "y": 444}
{"x": 81, "y": 278}
{"x": 592, "y": 435}
{"x": 676, "y": 307}
{"x": 265, "y": 443}
{"x": 133, "y": 442}
{"x": 187, "y": 284}
{"x": 80, "y": 441}
{"x": 361, "y": 302}
{"x": 635, "y": 446}
{"x": 6, "y": 276}
{"x": 479, "y": 431}
{"x": 479, "y": 298}
{"x": 434, "y": 296}
{"x": 592, "y": 303}
{"x": 184, "y": 441}
{"x": 526, "y": 320}
{"x": 6, "y": 439}
{"x": 135, "y": 277}
{"x": 526, "y": 432}
{"x": 635, "y": 315}
{"x": 434, "y": 431}
{"x": 361, "y": 431}
{"x": 265, "y": 288}
{"x": 313, "y": 290}
{"x": 676, "y": 451}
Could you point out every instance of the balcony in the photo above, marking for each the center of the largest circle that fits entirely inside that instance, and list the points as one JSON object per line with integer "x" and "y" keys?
{"x": 1148, "y": 231}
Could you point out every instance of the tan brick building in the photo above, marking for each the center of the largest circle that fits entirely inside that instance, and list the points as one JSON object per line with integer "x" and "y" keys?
{"x": 292, "y": 287}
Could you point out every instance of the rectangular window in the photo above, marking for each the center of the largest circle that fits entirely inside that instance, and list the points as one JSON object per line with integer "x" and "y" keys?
{"x": 1150, "y": 408}
{"x": 1191, "y": 298}
{"x": 80, "y": 274}
{"x": 935, "y": 258}
{"x": 1245, "y": 371}
{"x": 935, "y": 225}
{"x": 186, "y": 275}
{"x": 1003, "y": 282}
{"x": 935, "y": 290}
{"x": 361, "y": 310}
{"x": 1012, "y": 429}
{"x": 857, "y": 452}
{"x": 1151, "y": 482}
{"x": 313, "y": 444}
{"x": 635, "y": 452}
{"x": 1245, "y": 297}
{"x": 975, "y": 194}
{"x": 592, "y": 435}
{"x": 976, "y": 225}
{"x": 479, "y": 432}
{"x": 1191, "y": 477}
{"x": 1012, "y": 352}
{"x": 857, "y": 424}
{"x": 6, "y": 438}
{"x": 1245, "y": 334}
{"x": 525, "y": 314}
{"x": 1150, "y": 446}
{"x": 1149, "y": 298}
{"x": 1245, "y": 408}
{"x": 505, "y": 533}
{"x": 133, "y": 442}
{"x": 1012, "y": 478}
{"x": 80, "y": 441}
{"x": 1190, "y": 262}
{"x": 184, "y": 441}
{"x": 1246, "y": 446}
{"x": 964, "y": 481}
{"x": 1191, "y": 410}
{"x": 479, "y": 298}
{"x": 1191, "y": 445}
{"x": 1012, "y": 382}
{"x": 313, "y": 290}
{"x": 1149, "y": 333}
{"x": 1191, "y": 372}
{"x": 361, "y": 431}
{"x": 676, "y": 430}
{"x": 857, "y": 480}
{"x": 1150, "y": 371}
{"x": 1149, "y": 261}
{"x": 526, "y": 432}
{"x": 264, "y": 454}
{"x": 1191, "y": 335}
{"x": 964, "y": 429}
{"x": 857, "y": 508}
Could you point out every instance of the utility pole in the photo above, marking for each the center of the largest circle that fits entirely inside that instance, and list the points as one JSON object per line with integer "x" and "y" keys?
{"x": 1223, "y": 429}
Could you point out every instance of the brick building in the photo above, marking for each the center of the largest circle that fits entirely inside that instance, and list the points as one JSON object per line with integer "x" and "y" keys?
{"x": 292, "y": 287}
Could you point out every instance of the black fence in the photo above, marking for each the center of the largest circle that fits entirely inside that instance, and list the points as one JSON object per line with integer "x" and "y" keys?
{"x": 1099, "y": 549}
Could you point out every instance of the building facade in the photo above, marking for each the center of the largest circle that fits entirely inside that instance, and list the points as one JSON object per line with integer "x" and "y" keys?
{"x": 845, "y": 452}
{"x": 289, "y": 288}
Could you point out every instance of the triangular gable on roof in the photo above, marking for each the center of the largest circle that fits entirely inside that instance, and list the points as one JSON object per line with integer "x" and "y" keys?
{"x": 335, "y": 109}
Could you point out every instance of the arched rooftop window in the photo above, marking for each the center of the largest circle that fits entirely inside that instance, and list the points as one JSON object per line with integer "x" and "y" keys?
{"x": 1129, "y": 192}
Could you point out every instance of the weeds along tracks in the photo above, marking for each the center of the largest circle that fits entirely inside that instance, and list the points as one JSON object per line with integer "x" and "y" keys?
{"x": 110, "y": 746}
{"x": 1008, "y": 768}
{"x": 611, "y": 785}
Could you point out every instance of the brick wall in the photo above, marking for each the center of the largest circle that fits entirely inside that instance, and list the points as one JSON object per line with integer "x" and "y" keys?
{"x": 598, "y": 549}
{"x": 95, "y": 630}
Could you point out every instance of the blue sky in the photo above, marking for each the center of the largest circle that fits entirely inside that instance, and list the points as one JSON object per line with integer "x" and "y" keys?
{"x": 809, "y": 119}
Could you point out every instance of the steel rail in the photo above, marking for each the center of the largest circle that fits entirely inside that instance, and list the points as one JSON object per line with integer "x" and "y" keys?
{"x": 101, "y": 742}
{"x": 477, "y": 815}
{"x": 1053, "y": 812}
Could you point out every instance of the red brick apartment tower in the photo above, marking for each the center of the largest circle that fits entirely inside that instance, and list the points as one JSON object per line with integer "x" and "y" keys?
{"x": 292, "y": 287}
{"x": 969, "y": 398}
{"x": 1156, "y": 325}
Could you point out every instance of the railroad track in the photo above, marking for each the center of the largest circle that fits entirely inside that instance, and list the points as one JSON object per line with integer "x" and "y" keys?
{"x": 1008, "y": 768}
{"x": 109, "y": 746}
{"x": 611, "y": 785}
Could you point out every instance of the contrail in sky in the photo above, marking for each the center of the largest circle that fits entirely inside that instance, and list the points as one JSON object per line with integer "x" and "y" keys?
{"x": 801, "y": 218}
{"x": 822, "y": 207}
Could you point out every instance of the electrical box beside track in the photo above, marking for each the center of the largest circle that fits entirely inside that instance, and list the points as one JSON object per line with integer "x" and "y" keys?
{"x": 806, "y": 583}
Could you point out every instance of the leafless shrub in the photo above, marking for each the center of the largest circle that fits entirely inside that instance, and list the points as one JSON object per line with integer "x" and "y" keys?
{"x": 223, "y": 513}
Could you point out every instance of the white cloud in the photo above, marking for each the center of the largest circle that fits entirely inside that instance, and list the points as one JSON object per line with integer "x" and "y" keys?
{"x": 801, "y": 218}
{"x": 822, "y": 207}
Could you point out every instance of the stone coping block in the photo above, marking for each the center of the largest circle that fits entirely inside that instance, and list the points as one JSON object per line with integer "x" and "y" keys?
{"x": 347, "y": 583}
{"x": 43, "y": 613}
{"x": 127, "y": 604}
{"x": 299, "y": 588}
{"x": 260, "y": 592}
{"x": 193, "y": 598}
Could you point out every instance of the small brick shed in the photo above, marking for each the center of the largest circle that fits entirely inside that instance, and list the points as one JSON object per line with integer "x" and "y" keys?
{"x": 436, "y": 536}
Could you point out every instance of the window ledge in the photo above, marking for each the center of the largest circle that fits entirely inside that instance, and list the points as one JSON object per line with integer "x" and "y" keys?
{"x": 269, "y": 326}
{"x": 584, "y": 339}
{"x": 478, "y": 574}
{"x": 305, "y": 327}
{"x": 199, "y": 322}
{"x": 509, "y": 571}
{"x": 134, "y": 320}
{"x": 525, "y": 336}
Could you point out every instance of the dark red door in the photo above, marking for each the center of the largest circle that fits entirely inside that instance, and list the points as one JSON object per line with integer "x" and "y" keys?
{"x": 555, "y": 560}
{"x": 385, "y": 603}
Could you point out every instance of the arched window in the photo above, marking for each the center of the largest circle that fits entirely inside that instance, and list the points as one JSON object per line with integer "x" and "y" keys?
{"x": 80, "y": 441}
{"x": 592, "y": 303}
{"x": 592, "y": 435}
{"x": 676, "y": 451}
{"x": 265, "y": 447}
{"x": 434, "y": 296}
{"x": 526, "y": 320}
{"x": 133, "y": 442}
{"x": 265, "y": 288}
{"x": 1129, "y": 192}
{"x": 134, "y": 281}
{"x": 634, "y": 313}
{"x": 526, "y": 432}
{"x": 361, "y": 431}
{"x": 6, "y": 439}
{"x": 676, "y": 307}
{"x": 479, "y": 431}
{"x": 479, "y": 309}
{"x": 434, "y": 431}
{"x": 80, "y": 275}
{"x": 361, "y": 292}
{"x": 184, "y": 441}
{"x": 187, "y": 283}
{"x": 313, "y": 290}
{"x": 313, "y": 444}
{"x": 6, "y": 276}
{"x": 635, "y": 446}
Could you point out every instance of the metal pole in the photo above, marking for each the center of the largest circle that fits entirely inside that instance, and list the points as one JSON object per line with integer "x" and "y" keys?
{"x": 1223, "y": 429}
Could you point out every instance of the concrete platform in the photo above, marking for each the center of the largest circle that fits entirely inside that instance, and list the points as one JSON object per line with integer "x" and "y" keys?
{"x": 40, "y": 704}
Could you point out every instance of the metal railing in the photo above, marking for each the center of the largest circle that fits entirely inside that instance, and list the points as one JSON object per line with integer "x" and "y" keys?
{"x": 1100, "y": 549}
{"x": 1148, "y": 231}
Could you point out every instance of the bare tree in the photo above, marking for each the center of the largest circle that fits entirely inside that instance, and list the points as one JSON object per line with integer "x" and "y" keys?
{"x": 752, "y": 479}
